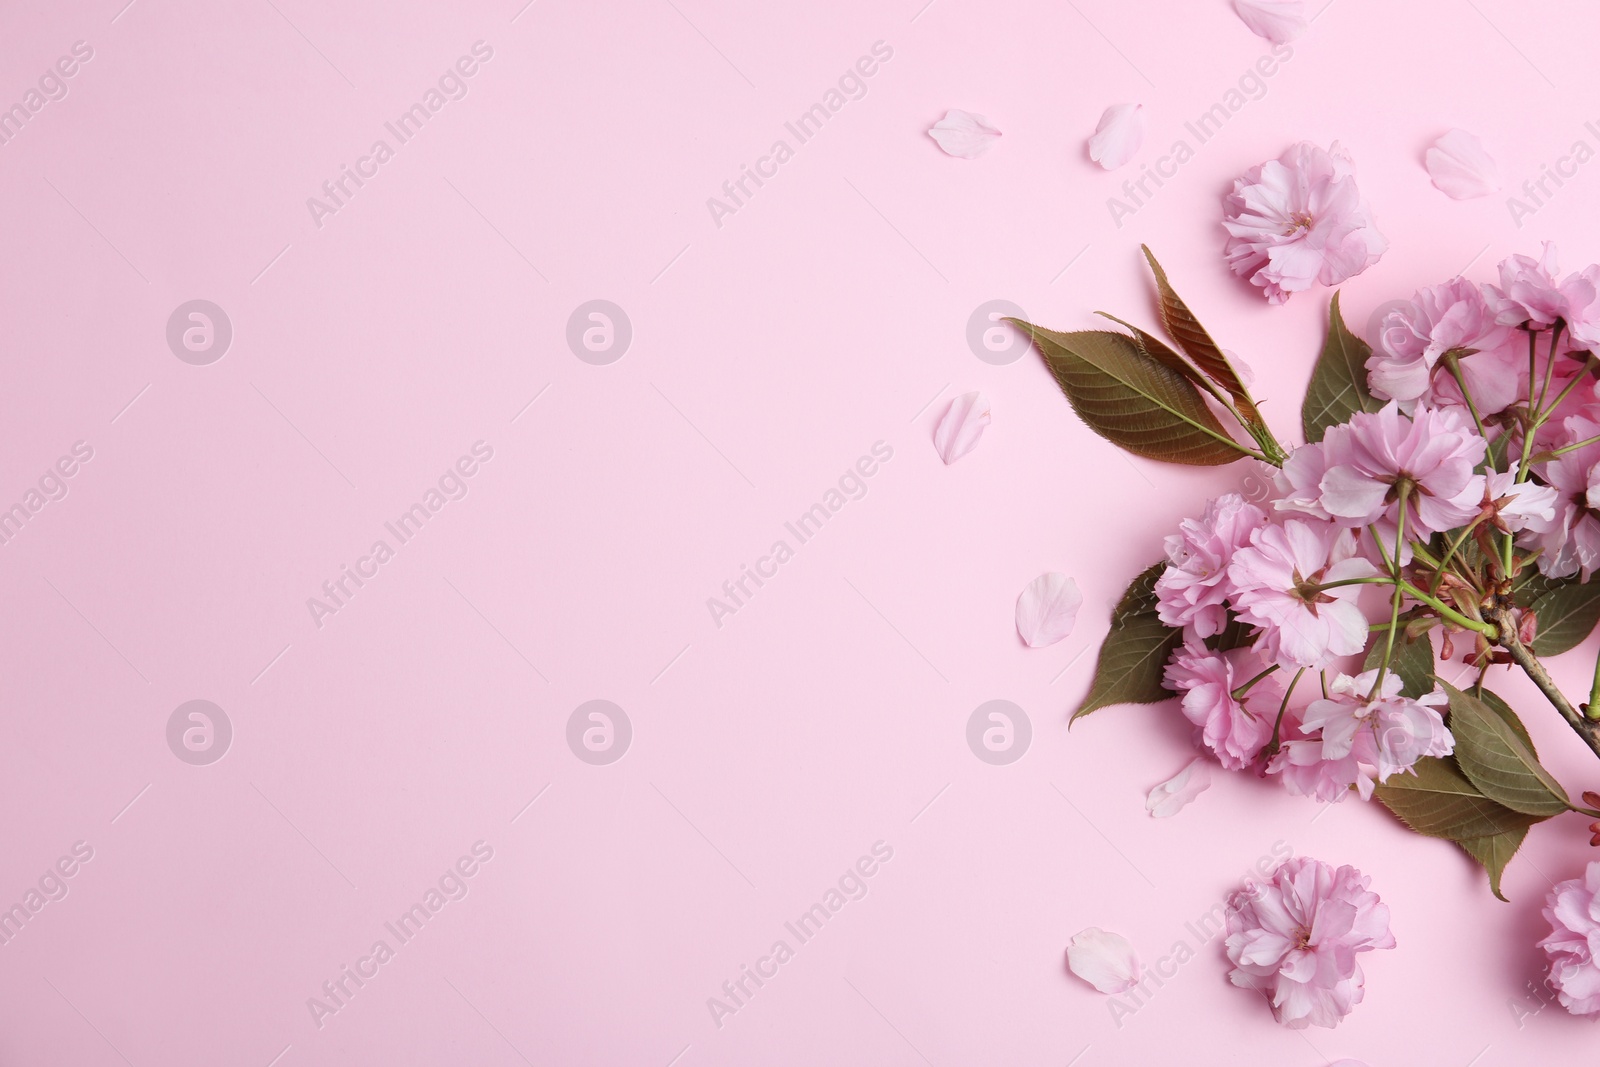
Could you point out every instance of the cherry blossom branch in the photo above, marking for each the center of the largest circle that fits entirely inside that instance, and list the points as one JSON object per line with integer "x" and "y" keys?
{"x": 1523, "y": 656}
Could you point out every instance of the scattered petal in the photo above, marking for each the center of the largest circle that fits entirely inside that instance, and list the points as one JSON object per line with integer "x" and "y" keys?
{"x": 1279, "y": 21}
{"x": 958, "y": 432}
{"x": 1460, "y": 168}
{"x": 1247, "y": 374}
{"x": 1047, "y": 609}
{"x": 1173, "y": 795}
{"x": 1106, "y": 961}
{"x": 961, "y": 133}
{"x": 1119, "y": 135}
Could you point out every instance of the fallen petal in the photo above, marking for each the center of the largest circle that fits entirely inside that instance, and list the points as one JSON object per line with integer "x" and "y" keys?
{"x": 1104, "y": 960}
{"x": 1047, "y": 609}
{"x": 1460, "y": 168}
{"x": 958, "y": 432}
{"x": 1279, "y": 21}
{"x": 1173, "y": 795}
{"x": 961, "y": 133}
{"x": 1119, "y": 135}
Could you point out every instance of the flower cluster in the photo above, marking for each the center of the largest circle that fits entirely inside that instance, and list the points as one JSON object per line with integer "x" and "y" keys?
{"x": 1261, "y": 600}
{"x": 1447, "y": 497}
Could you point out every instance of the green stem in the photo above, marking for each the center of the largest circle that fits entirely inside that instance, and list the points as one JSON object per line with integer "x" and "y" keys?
{"x": 1383, "y": 579}
{"x": 1529, "y": 427}
{"x": 1449, "y": 613}
{"x": 1394, "y": 605}
{"x": 1452, "y": 361}
{"x": 1564, "y": 449}
{"x": 1591, "y": 710}
{"x": 1277, "y": 726}
{"x": 1444, "y": 561}
{"x": 1238, "y": 694}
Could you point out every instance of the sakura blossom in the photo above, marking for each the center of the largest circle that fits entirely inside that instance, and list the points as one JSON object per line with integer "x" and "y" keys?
{"x": 1573, "y": 945}
{"x": 1451, "y": 318}
{"x": 1296, "y": 938}
{"x": 1193, "y": 589}
{"x": 1226, "y": 697}
{"x": 1382, "y": 463}
{"x": 1285, "y": 582}
{"x": 1300, "y": 220}
{"x": 1356, "y": 738}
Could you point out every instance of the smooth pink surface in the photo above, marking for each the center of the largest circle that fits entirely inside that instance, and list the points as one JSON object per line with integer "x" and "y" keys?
{"x": 769, "y": 353}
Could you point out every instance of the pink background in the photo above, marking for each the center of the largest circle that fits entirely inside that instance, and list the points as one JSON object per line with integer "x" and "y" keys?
{"x": 829, "y": 713}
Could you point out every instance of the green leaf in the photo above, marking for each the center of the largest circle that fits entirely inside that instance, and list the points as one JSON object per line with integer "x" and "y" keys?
{"x": 1501, "y": 708}
{"x": 1338, "y": 386}
{"x": 1180, "y": 323}
{"x": 1495, "y": 758}
{"x": 1440, "y": 801}
{"x": 1567, "y": 614}
{"x": 1135, "y": 652}
{"x": 1133, "y": 400}
{"x": 1412, "y": 661}
{"x": 1494, "y": 853}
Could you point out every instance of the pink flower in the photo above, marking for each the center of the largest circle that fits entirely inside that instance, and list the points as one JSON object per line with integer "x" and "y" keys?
{"x": 1443, "y": 318}
{"x": 1346, "y": 740}
{"x": 1570, "y": 540}
{"x": 1519, "y": 505}
{"x": 1235, "y": 729}
{"x": 1429, "y": 458}
{"x": 1277, "y": 586}
{"x": 1573, "y": 912}
{"x": 1191, "y": 591}
{"x": 1296, "y": 939}
{"x": 1530, "y": 294}
{"x": 1299, "y": 481}
{"x": 1300, "y": 219}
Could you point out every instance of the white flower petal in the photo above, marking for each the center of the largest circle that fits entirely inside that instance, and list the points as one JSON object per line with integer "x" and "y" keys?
{"x": 1047, "y": 609}
{"x": 1279, "y": 21}
{"x": 958, "y": 432}
{"x": 1119, "y": 135}
{"x": 1173, "y": 795}
{"x": 1104, "y": 960}
{"x": 1460, "y": 168}
{"x": 961, "y": 133}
